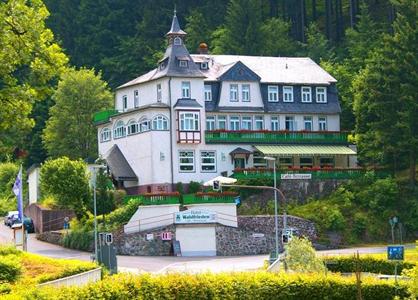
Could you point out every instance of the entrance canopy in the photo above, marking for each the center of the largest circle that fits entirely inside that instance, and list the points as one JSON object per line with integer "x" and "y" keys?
{"x": 287, "y": 150}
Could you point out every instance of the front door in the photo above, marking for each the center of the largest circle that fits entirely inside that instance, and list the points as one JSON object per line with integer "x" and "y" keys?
{"x": 239, "y": 163}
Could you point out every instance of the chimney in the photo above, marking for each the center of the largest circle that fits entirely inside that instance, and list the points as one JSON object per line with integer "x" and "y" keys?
{"x": 203, "y": 48}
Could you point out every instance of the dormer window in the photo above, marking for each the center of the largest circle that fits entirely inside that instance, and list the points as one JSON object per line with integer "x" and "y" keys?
{"x": 177, "y": 41}
{"x": 204, "y": 66}
{"x": 183, "y": 63}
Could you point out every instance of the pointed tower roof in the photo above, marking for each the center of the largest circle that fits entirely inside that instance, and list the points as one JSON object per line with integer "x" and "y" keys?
{"x": 175, "y": 27}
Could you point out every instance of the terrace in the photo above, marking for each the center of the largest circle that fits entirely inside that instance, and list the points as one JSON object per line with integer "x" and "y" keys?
{"x": 104, "y": 116}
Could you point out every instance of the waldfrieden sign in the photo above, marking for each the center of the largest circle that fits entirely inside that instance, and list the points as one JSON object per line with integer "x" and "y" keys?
{"x": 194, "y": 216}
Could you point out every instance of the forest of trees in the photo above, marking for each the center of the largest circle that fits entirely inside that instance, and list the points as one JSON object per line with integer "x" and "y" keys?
{"x": 122, "y": 39}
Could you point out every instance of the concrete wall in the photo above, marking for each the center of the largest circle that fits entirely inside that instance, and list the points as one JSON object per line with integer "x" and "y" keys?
{"x": 197, "y": 239}
{"x": 33, "y": 185}
{"x": 76, "y": 280}
{"x": 226, "y": 213}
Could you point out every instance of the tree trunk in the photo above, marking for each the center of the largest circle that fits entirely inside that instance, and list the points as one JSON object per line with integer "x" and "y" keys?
{"x": 412, "y": 166}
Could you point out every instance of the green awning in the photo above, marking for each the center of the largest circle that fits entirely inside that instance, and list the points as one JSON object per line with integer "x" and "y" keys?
{"x": 286, "y": 150}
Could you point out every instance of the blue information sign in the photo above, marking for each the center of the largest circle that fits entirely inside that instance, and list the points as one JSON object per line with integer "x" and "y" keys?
{"x": 395, "y": 252}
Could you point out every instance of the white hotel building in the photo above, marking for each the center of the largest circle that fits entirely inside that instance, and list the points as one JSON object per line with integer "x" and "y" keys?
{"x": 198, "y": 116}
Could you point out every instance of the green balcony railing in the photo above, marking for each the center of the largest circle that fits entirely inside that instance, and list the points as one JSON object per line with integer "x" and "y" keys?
{"x": 154, "y": 199}
{"x": 104, "y": 116}
{"x": 202, "y": 198}
{"x": 274, "y": 137}
{"x": 315, "y": 173}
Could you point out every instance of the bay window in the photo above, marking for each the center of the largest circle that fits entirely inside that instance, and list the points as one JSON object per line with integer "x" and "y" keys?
{"x": 189, "y": 121}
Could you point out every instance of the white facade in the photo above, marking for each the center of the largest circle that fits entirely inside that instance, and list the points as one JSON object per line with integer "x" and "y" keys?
{"x": 33, "y": 184}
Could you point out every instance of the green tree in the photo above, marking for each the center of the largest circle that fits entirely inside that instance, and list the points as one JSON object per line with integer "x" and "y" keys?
{"x": 197, "y": 30}
{"x": 67, "y": 181}
{"x": 70, "y": 130}
{"x": 301, "y": 256}
{"x": 29, "y": 62}
{"x": 317, "y": 46}
{"x": 275, "y": 38}
{"x": 105, "y": 194}
{"x": 385, "y": 96}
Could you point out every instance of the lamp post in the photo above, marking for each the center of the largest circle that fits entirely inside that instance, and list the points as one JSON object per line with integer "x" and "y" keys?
{"x": 95, "y": 168}
{"x": 276, "y": 222}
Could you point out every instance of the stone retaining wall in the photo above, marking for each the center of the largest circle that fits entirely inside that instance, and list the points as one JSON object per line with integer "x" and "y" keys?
{"x": 53, "y": 237}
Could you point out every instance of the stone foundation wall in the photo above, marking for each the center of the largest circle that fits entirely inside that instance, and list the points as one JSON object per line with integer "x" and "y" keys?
{"x": 53, "y": 237}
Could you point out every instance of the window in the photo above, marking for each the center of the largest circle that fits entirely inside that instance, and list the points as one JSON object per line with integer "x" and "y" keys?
{"x": 247, "y": 123}
{"x": 185, "y": 89}
{"x": 322, "y": 123}
{"x": 275, "y": 125}
{"x": 307, "y": 123}
{"x": 125, "y": 102}
{"x": 136, "y": 98}
{"x": 105, "y": 135}
{"x": 321, "y": 94}
{"x": 306, "y": 162}
{"x": 259, "y": 161}
{"x": 119, "y": 130}
{"x": 306, "y": 94}
{"x": 326, "y": 162}
{"x": 160, "y": 123}
{"x": 208, "y": 161}
{"x": 183, "y": 63}
{"x": 204, "y": 66}
{"x": 290, "y": 123}
{"x": 132, "y": 127}
{"x": 245, "y": 92}
{"x": 210, "y": 123}
{"x": 177, "y": 41}
{"x": 189, "y": 121}
{"x": 159, "y": 92}
{"x": 144, "y": 125}
{"x": 288, "y": 94}
{"x": 234, "y": 123}
{"x": 208, "y": 92}
{"x": 273, "y": 93}
{"x": 286, "y": 162}
{"x": 221, "y": 122}
{"x": 186, "y": 161}
{"x": 259, "y": 122}
{"x": 233, "y": 92}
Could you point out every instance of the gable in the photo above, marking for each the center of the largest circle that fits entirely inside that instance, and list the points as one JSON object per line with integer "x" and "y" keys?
{"x": 239, "y": 72}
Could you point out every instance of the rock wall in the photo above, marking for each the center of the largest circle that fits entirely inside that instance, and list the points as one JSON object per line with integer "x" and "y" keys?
{"x": 256, "y": 234}
{"x": 53, "y": 237}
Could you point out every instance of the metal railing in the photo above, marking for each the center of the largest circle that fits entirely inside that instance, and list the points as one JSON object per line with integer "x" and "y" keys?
{"x": 158, "y": 199}
{"x": 274, "y": 137}
{"x": 209, "y": 198}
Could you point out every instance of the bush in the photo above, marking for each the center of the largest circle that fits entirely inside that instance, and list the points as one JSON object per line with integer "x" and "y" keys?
{"x": 179, "y": 187}
{"x": 254, "y": 285}
{"x": 6, "y": 250}
{"x": 347, "y": 264}
{"x": 194, "y": 187}
{"x": 80, "y": 240}
{"x": 10, "y": 268}
{"x": 301, "y": 256}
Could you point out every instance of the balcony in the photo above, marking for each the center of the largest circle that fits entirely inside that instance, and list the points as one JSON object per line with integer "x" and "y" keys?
{"x": 202, "y": 198}
{"x": 315, "y": 173}
{"x": 104, "y": 116}
{"x": 275, "y": 137}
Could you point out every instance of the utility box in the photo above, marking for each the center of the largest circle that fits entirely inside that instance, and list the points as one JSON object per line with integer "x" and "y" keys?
{"x": 106, "y": 252}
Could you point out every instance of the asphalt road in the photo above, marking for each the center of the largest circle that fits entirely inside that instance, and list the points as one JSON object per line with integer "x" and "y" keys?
{"x": 168, "y": 264}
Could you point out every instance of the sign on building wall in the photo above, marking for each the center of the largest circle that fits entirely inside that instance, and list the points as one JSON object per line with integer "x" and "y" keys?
{"x": 296, "y": 176}
{"x": 194, "y": 216}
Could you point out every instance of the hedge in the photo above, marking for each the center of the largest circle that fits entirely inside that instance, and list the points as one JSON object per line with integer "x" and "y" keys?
{"x": 79, "y": 240}
{"x": 347, "y": 264}
{"x": 10, "y": 268}
{"x": 250, "y": 285}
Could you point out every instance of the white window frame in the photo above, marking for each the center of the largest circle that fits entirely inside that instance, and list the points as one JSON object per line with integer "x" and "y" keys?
{"x": 119, "y": 131}
{"x": 273, "y": 93}
{"x": 105, "y": 135}
{"x": 124, "y": 102}
{"x": 306, "y": 94}
{"x": 236, "y": 121}
{"x": 210, "y": 123}
{"x": 306, "y": 120}
{"x": 287, "y": 93}
{"x": 207, "y": 92}
{"x": 144, "y": 125}
{"x": 322, "y": 124}
{"x": 160, "y": 122}
{"x": 293, "y": 123}
{"x": 208, "y": 164}
{"x": 248, "y": 121}
{"x": 322, "y": 95}
{"x": 177, "y": 41}
{"x": 183, "y": 63}
{"x": 136, "y": 98}
{"x": 185, "y": 154}
{"x": 185, "y": 89}
{"x": 245, "y": 93}
{"x": 275, "y": 123}
{"x": 259, "y": 161}
{"x": 189, "y": 121}
{"x": 257, "y": 121}
{"x": 233, "y": 92}
{"x": 132, "y": 124}
{"x": 159, "y": 92}
{"x": 224, "y": 120}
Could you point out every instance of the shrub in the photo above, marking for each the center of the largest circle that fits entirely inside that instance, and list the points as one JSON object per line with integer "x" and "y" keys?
{"x": 10, "y": 268}
{"x": 80, "y": 240}
{"x": 347, "y": 264}
{"x": 194, "y": 187}
{"x": 179, "y": 187}
{"x": 301, "y": 256}
{"x": 6, "y": 250}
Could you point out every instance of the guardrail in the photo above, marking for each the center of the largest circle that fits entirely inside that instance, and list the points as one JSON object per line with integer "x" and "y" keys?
{"x": 274, "y": 137}
{"x": 76, "y": 280}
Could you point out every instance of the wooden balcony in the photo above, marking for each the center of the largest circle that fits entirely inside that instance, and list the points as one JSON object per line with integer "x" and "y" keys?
{"x": 189, "y": 137}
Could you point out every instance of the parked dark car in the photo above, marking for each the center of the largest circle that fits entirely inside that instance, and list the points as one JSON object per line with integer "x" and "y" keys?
{"x": 10, "y": 215}
{"x": 27, "y": 222}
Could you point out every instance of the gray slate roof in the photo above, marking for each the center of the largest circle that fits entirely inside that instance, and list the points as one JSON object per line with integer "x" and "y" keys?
{"x": 183, "y": 102}
{"x": 119, "y": 166}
